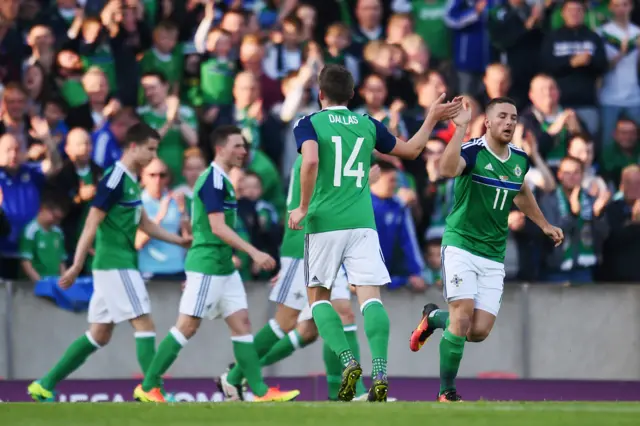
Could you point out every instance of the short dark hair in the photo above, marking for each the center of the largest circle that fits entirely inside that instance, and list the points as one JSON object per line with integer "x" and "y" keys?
{"x": 250, "y": 173}
{"x": 293, "y": 20}
{"x": 336, "y": 83}
{"x": 498, "y": 101}
{"x": 385, "y": 166}
{"x": 139, "y": 134}
{"x": 157, "y": 74}
{"x": 624, "y": 118}
{"x": 220, "y": 135}
{"x": 580, "y": 135}
{"x": 575, "y": 160}
{"x": 166, "y": 25}
{"x": 53, "y": 198}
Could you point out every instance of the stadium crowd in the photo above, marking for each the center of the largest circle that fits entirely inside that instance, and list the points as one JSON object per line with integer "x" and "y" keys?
{"x": 77, "y": 73}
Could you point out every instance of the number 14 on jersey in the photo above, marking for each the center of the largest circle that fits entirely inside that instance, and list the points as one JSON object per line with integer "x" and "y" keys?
{"x": 348, "y": 170}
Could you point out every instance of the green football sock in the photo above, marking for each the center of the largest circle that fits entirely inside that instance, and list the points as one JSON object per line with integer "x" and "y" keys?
{"x": 263, "y": 342}
{"x": 351, "y": 331}
{"x": 167, "y": 353}
{"x": 283, "y": 349}
{"x": 145, "y": 348}
{"x": 330, "y": 329}
{"x": 439, "y": 319}
{"x": 247, "y": 358}
{"x": 451, "y": 350}
{"x": 75, "y": 355}
{"x": 333, "y": 368}
{"x": 376, "y": 327}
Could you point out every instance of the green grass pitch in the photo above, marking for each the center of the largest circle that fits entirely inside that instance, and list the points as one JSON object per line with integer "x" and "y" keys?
{"x": 322, "y": 414}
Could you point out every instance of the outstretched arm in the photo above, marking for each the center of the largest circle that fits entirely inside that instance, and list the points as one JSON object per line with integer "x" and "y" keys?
{"x": 438, "y": 111}
{"x": 155, "y": 231}
{"x": 526, "y": 202}
{"x": 454, "y": 159}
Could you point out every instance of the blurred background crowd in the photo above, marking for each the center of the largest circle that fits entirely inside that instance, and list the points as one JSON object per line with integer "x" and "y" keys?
{"x": 77, "y": 73}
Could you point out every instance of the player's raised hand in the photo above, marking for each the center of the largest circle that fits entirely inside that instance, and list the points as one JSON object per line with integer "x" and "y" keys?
{"x": 439, "y": 111}
{"x": 554, "y": 233}
{"x": 263, "y": 260}
{"x": 69, "y": 277}
{"x": 295, "y": 218}
{"x": 463, "y": 117}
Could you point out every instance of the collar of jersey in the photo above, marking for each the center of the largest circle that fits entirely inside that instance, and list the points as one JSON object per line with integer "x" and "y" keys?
{"x": 502, "y": 160}
{"x": 127, "y": 171}
{"x": 218, "y": 168}
{"x": 332, "y": 108}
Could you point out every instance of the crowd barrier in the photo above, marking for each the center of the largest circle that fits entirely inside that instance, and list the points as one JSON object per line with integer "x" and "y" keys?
{"x": 589, "y": 332}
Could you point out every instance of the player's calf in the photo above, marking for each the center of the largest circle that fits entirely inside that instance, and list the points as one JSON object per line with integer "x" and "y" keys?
{"x": 481, "y": 326}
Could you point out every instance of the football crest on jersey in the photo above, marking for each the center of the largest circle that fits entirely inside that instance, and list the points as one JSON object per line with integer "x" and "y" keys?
{"x": 517, "y": 171}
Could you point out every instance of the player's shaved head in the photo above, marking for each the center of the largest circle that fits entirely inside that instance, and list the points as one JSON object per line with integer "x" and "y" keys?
{"x": 221, "y": 135}
{"x": 140, "y": 134}
{"x": 336, "y": 84}
{"x": 499, "y": 101}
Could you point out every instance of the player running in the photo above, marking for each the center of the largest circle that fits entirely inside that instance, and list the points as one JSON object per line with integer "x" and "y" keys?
{"x": 489, "y": 174}
{"x": 119, "y": 292}
{"x": 336, "y": 146}
{"x": 214, "y": 288}
{"x": 292, "y": 327}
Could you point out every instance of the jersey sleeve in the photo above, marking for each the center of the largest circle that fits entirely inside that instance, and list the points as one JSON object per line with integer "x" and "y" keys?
{"x": 62, "y": 251}
{"x": 304, "y": 131}
{"x": 211, "y": 193}
{"x": 109, "y": 190}
{"x": 26, "y": 244}
{"x": 470, "y": 152}
{"x": 385, "y": 141}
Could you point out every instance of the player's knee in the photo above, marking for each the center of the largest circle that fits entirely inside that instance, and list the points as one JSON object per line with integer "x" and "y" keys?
{"x": 308, "y": 331}
{"x": 345, "y": 312}
{"x": 478, "y": 334}
{"x": 239, "y": 323}
{"x": 100, "y": 337}
{"x": 286, "y": 319}
{"x": 188, "y": 325}
{"x": 460, "y": 324}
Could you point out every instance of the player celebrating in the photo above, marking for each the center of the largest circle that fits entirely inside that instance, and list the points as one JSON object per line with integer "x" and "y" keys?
{"x": 292, "y": 327}
{"x": 119, "y": 291}
{"x": 214, "y": 287}
{"x": 489, "y": 174}
{"x": 336, "y": 146}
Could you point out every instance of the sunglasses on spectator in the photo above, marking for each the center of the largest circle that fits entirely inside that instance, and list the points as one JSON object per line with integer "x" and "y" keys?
{"x": 161, "y": 175}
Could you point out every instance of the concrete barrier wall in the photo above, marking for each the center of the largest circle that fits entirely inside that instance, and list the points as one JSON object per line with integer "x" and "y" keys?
{"x": 590, "y": 332}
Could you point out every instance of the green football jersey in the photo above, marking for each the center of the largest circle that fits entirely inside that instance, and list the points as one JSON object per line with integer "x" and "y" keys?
{"x": 293, "y": 241}
{"x": 216, "y": 81}
{"x": 172, "y": 146}
{"x": 44, "y": 248}
{"x": 213, "y": 193}
{"x": 483, "y": 197}
{"x": 346, "y": 140}
{"x": 118, "y": 195}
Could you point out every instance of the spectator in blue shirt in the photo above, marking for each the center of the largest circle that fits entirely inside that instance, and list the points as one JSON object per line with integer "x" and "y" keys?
{"x": 396, "y": 231}
{"x": 159, "y": 259}
{"x": 21, "y": 185}
{"x": 107, "y": 140}
{"x": 472, "y": 51}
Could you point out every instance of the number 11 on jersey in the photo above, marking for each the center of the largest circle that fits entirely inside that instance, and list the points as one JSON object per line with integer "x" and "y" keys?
{"x": 504, "y": 198}
{"x": 348, "y": 170}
